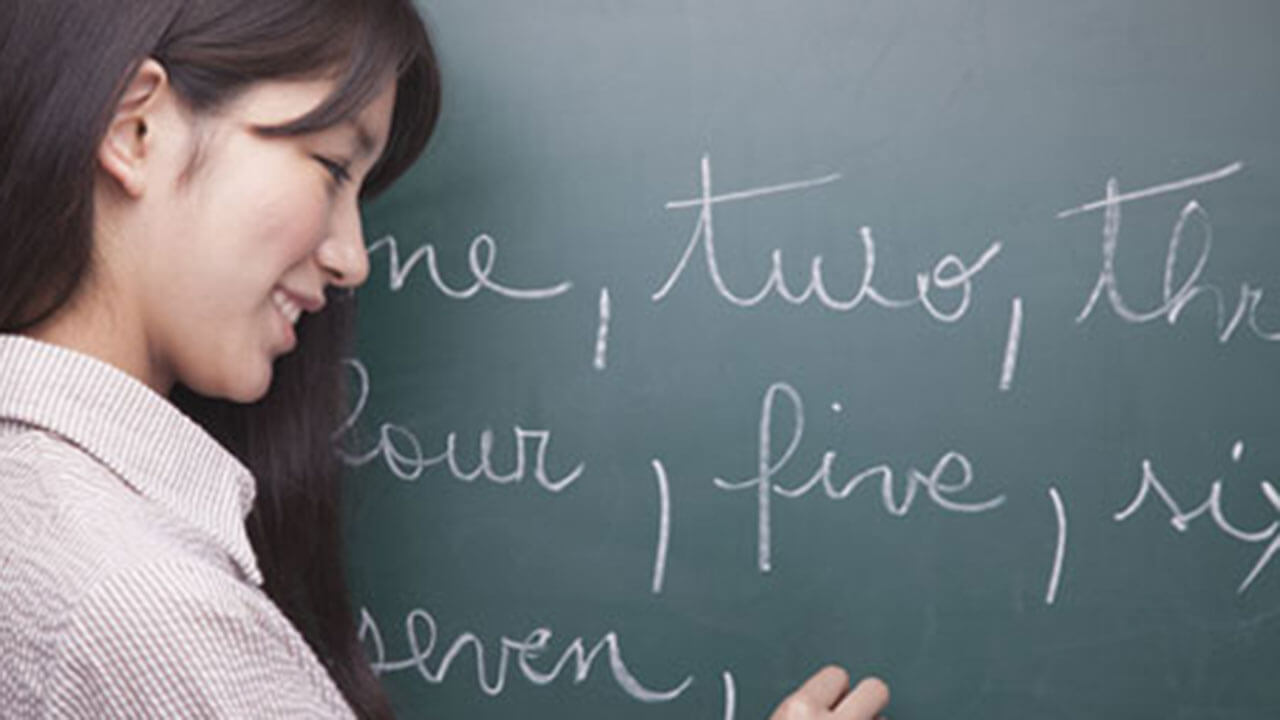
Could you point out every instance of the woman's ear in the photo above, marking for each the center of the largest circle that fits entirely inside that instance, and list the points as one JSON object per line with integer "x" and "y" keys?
{"x": 129, "y": 140}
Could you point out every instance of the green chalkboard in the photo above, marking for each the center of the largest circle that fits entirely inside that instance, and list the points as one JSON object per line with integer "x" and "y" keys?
{"x": 714, "y": 340}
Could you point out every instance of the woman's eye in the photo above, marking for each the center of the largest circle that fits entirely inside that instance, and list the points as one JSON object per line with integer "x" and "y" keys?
{"x": 336, "y": 169}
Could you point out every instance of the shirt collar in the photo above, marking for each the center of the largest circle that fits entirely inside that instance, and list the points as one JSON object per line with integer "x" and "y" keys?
{"x": 135, "y": 432}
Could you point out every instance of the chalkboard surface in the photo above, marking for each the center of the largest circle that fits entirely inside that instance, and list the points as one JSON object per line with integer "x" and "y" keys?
{"x": 714, "y": 340}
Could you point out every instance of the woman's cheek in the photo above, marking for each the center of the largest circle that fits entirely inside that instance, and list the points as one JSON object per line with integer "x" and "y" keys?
{"x": 297, "y": 227}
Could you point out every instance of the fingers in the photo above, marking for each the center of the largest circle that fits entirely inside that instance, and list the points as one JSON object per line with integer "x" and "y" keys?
{"x": 826, "y": 696}
{"x": 865, "y": 702}
{"x": 826, "y": 687}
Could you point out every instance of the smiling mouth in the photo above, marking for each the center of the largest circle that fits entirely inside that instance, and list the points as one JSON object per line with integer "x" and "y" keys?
{"x": 288, "y": 308}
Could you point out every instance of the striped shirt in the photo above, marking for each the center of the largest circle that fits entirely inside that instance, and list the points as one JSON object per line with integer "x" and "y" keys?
{"x": 128, "y": 587}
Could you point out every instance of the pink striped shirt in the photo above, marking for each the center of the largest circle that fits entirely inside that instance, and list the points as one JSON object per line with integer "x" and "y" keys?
{"x": 128, "y": 587}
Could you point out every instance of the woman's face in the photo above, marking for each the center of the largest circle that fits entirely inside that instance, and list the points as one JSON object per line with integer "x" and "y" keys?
{"x": 219, "y": 265}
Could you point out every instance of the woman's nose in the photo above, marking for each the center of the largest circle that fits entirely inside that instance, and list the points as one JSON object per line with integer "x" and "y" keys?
{"x": 342, "y": 256}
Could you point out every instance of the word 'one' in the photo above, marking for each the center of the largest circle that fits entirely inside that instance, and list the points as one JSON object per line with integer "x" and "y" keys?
{"x": 481, "y": 256}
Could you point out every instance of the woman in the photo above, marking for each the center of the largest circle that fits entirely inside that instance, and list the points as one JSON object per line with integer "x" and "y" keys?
{"x": 179, "y": 238}
{"x": 180, "y": 183}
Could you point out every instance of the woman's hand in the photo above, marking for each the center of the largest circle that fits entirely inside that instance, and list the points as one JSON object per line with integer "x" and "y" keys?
{"x": 826, "y": 696}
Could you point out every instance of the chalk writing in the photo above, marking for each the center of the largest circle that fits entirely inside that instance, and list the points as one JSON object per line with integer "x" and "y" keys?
{"x": 730, "y": 695}
{"x": 664, "y": 525}
{"x": 1011, "y": 346}
{"x": 1176, "y": 292}
{"x": 1212, "y": 506}
{"x": 949, "y": 274}
{"x": 602, "y": 332}
{"x": 769, "y": 466}
{"x": 1060, "y": 548}
{"x": 404, "y": 456}
{"x": 481, "y": 256}
{"x": 422, "y": 633}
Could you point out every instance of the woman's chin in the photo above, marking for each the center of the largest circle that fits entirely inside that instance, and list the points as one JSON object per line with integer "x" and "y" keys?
{"x": 244, "y": 387}
{"x": 252, "y": 390}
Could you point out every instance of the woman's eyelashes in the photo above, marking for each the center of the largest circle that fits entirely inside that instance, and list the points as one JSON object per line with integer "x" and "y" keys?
{"x": 340, "y": 171}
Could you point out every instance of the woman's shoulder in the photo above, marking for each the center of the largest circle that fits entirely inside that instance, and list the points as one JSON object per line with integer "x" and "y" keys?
{"x": 38, "y": 465}
{"x": 111, "y": 602}
{"x": 68, "y": 525}
{"x": 89, "y": 568}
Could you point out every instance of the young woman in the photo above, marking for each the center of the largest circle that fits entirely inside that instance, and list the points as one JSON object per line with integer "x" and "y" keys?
{"x": 179, "y": 238}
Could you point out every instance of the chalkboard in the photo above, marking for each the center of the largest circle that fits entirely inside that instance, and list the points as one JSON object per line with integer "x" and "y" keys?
{"x": 715, "y": 340}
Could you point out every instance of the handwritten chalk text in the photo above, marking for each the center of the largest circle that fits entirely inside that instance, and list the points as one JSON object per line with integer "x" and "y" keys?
{"x": 949, "y": 274}
{"x": 422, "y": 634}
{"x": 1212, "y": 506}
{"x": 770, "y": 466}
{"x": 481, "y": 257}
{"x": 405, "y": 458}
{"x": 1176, "y": 292}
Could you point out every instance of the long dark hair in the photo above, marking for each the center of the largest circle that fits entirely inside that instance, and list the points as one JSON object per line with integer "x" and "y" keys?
{"x": 64, "y": 65}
